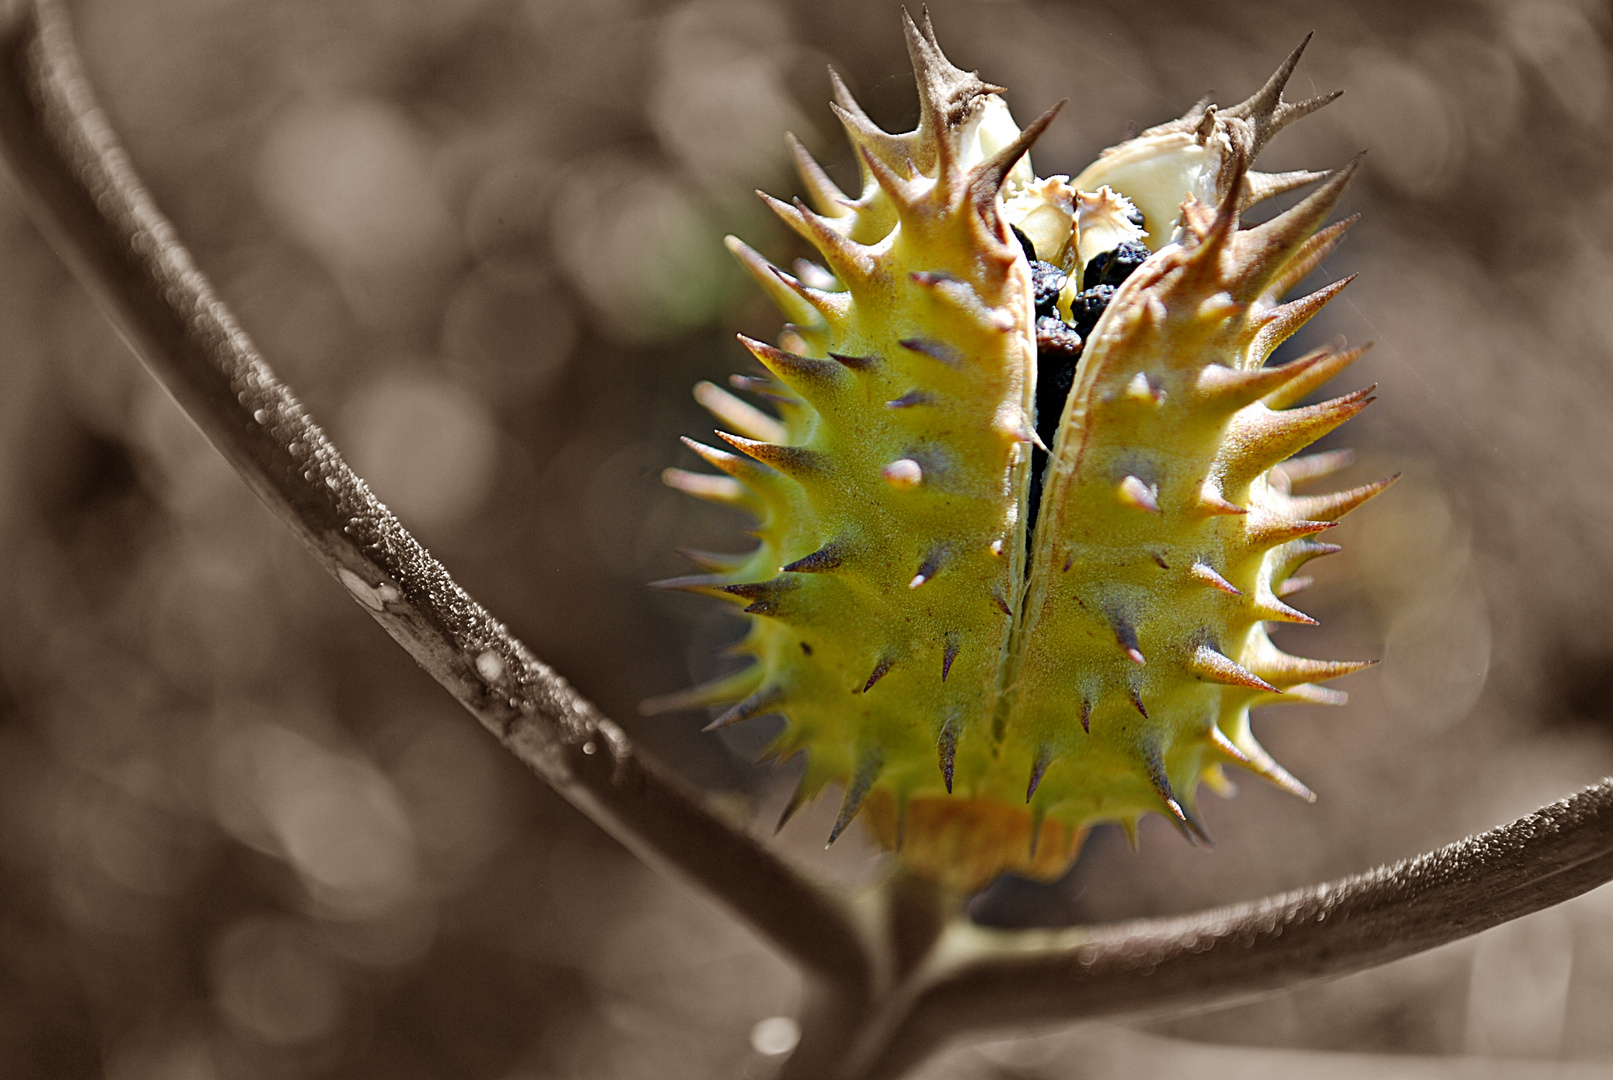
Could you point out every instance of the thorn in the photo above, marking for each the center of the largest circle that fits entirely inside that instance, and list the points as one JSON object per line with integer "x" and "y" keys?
{"x": 1294, "y": 585}
{"x": 1214, "y": 504}
{"x": 1129, "y": 825}
{"x": 824, "y": 191}
{"x": 910, "y": 399}
{"x": 803, "y": 374}
{"x": 929, "y": 568}
{"x": 1002, "y": 605}
{"x": 869, "y": 765}
{"x": 793, "y": 461}
{"x": 1312, "y": 694}
{"x": 699, "y": 584}
{"x": 1269, "y": 251}
{"x": 879, "y": 672}
{"x": 813, "y": 276}
{"x": 1257, "y": 761}
{"x": 1268, "y": 112}
{"x": 987, "y": 178}
{"x": 760, "y": 703}
{"x": 903, "y": 474}
{"x": 1226, "y": 746}
{"x": 1159, "y": 560}
{"x": 1137, "y": 701}
{"x": 1260, "y": 186}
{"x": 723, "y": 490}
{"x": 847, "y": 259}
{"x": 946, "y": 745}
{"x": 1316, "y": 373}
{"x": 949, "y": 653}
{"x": 1307, "y": 257}
{"x": 1217, "y": 780}
{"x": 795, "y": 307}
{"x": 855, "y": 363}
{"x": 744, "y": 417}
{"x": 1134, "y": 493}
{"x": 892, "y": 185}
{"x": 1270, "y": 609}
{"x": 764, "y": 596}
{"x": 1230, "y": 389}
{"x": 731, "y": 687}
{"x": 1186, "y": 822}
{"x": 1207, "y": 574}
{"x": 1334, "y": 506}
{"x": 1281, "y": 668}
{"x": 1315, "y": 466}
{"x": 1267, "y": 532}
{"x": 1086, "y": 716}
{"x": 1272, "y": 436}
{"x": 1280, "y": 323}
{"x": 935, "y": 350}
{"x": 828, "y": 557}
{"x": 1126, "y": 637}
{"x": 1212, "y": 666}
{"x": 1140, "y": 389}
{"x": 797, "y": 799}
{"x": 1044, "y": 757}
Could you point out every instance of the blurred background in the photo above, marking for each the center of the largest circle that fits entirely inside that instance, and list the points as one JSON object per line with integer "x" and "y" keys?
{"x": 242, "y": 837}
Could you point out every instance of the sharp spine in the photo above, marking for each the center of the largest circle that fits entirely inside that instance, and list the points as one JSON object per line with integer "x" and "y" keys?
{"x": 1134, "y": 493}
{"x": 869, "y": 764}
{"x": 881, "y": 669}
{"x": 1207, "y": 574}
{"x": 1211, "y": 665}
{"x": 946, "y": 745}
{"x": 935, "y": 350}
{"x": 761, "y": 703}
{"x": 1044, "y": 758}
{"x": 828, "y": 557}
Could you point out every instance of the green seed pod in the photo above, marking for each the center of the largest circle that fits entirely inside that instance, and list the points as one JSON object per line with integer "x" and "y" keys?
{"x": 986, "y": 686}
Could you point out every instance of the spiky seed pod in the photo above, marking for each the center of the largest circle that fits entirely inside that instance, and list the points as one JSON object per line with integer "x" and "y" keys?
{"x": 981, "y": 685}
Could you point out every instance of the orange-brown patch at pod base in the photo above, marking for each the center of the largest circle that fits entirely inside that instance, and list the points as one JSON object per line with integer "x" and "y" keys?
{"x": 963, "y": 844}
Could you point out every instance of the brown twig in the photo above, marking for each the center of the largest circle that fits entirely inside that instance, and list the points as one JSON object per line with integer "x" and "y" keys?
{"x": 983, "y": 980}
{"x": 85, "y": 197}
{"x": 884, "y": 999}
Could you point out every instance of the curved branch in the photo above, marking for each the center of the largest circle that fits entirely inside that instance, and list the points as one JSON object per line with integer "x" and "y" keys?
{"x": 981, "y": 980}
{"x": 83, "y": 194}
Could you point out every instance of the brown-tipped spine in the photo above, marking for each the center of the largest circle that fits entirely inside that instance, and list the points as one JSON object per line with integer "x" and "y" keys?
{"x": 1211, "y": 666}
{"x": 826, "y": 194}
{"x": 869, "y": 764}
{"x": 761, "y": 703}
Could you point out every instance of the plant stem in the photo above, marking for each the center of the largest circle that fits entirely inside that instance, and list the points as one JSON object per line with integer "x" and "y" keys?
{"x": 86, "y": 198}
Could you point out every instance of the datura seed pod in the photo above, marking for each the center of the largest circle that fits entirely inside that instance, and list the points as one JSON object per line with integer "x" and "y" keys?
{"x": 1025, "y": 498}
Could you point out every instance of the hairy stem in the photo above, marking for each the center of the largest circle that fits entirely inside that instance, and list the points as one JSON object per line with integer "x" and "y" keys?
{"x": 85, "y": 197}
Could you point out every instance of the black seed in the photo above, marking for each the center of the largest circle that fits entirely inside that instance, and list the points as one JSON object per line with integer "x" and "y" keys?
{"x": 1056, "y": 337}
{"x": 1113, "y": 267}
{"x": 1047, "y": 281}
{"x": 1088, "y": 307}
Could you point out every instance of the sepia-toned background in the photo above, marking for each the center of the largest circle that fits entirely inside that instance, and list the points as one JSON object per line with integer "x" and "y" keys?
{"x": 243, "y": 838}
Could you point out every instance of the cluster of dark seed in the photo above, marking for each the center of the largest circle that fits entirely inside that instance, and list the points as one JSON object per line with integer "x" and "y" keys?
{"x": 1059, "y": 343}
